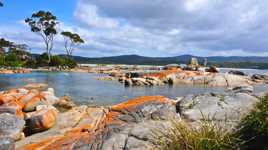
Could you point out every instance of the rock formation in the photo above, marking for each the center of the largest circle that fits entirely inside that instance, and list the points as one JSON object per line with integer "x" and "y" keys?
{"x": 127, "y": 125}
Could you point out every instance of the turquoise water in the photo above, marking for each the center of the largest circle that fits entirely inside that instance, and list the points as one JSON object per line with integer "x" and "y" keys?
{"x": 84, "y": 88}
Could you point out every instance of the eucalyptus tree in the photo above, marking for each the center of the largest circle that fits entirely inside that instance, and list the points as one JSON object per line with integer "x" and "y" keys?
{"x": 44, "y": 24}
{"x": 70, "y": 41}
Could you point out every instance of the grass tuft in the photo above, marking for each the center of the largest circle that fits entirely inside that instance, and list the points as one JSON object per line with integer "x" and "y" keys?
{"x": 209, "y": 136}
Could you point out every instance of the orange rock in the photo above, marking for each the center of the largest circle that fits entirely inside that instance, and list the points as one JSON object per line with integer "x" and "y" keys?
{"x": 41, "y": 120}
{"x": 14, "y": 107}
{"x": 25, "y": 98}
{"x": 66, "y": 141}
{"x": 32, "y": 103}
{"x": 5, "y": 98}
{"x": 164, "y": 73}
{"x": 133, "y": 103}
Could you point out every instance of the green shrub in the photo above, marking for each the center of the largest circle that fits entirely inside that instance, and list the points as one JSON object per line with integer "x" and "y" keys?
{"x": 56, "y": 61}
{"x": 12, "y": 61}
{"x": 42, "y": 60}
{"x": 69, "y": 62}
{"x": 183, "y": 137}
{"x": 254, "y": 127}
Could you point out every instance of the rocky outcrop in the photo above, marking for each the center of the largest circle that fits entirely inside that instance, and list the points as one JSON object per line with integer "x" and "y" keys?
{"x": 23, "y": 109}
{"x": 18, "y": 71}
{"x": 193, "y": 65}
{"x": 124, "y": 126}
{"x": 129, "y": 125}
{"x": 178, "y": 76}
{"x": 229, "y": 107}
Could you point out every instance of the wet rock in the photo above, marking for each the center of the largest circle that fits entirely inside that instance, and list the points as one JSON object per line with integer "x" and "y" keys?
{"x": 41, "y": 120}
{"x": 11, "y": 126}
{"x": 237, "y": 72}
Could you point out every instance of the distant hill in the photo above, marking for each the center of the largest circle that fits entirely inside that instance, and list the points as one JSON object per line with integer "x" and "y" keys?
{"x": 232, "y": 61}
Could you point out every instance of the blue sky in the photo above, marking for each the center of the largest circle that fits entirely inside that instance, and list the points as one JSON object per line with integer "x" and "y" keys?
{"x": 15, "y": 10}
{"x": 149, "y": 28}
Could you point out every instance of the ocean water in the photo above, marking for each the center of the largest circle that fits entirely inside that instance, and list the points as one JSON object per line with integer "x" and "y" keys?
{"x": 84, "y": 88}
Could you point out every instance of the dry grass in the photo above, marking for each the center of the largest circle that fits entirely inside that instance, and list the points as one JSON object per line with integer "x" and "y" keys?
{"x": 208, "y": 136}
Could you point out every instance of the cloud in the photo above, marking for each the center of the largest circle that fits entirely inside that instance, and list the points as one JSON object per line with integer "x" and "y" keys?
{"x": 161, "y": 28}
{"x": 88, "y": 14}
{"x": 193, "y": 24}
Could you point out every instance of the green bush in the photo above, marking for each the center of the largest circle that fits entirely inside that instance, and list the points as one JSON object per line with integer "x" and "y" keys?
{"x": 69, "y": 62}
{"x": 254, "y": 127}
{"x": 42, "y": 60}
{"x": 56, "y": 61}
{"x": 12, "y": 61}
{"x": 183, "y": 137}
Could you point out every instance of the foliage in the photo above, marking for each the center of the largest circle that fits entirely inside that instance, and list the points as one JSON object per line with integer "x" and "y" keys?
{"x": 69, "y": 62}
{"x": 1, "y": 4}
{"x": 183, "y": 137}
{"x": 44, "y": 23}
{"x": 71, "y": 39}
{"x": 254, "y": 127}
{"x": 12, "y": 61}
{"x": 56, "y": 61}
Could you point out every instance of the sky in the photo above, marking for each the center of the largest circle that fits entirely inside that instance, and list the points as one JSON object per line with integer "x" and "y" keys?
{"x": 157, "y": 28}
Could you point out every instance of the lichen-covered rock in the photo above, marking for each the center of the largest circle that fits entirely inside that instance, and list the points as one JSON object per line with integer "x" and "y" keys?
{"x": 25, "y": 98}
{"x": 31, "y": 104}
{"x": 11, "y": 126}
{"x": 41, "y": 120}
{"x": 116, "y": 128}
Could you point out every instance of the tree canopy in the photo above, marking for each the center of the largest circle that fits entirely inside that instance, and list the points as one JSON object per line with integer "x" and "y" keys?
{"x": 44, "y": 23}
{"x": 71, "y": 40}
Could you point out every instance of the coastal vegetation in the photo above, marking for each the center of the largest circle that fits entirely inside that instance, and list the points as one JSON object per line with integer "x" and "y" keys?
{"x": 44, "y": 24}
{"x": 251, "y": 133}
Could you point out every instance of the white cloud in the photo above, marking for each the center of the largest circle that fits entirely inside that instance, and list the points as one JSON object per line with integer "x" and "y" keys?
{"x": 88, "y": 14}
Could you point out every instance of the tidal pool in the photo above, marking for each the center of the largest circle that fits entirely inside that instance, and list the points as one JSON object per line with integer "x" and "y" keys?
{"x": 84, "y": 88}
